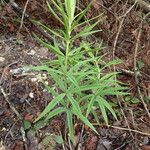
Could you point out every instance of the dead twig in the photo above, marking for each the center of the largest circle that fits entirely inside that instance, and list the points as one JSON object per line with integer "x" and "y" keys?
{"x": 80, "y": 138}
{"x": 23, "y": 14}
{"x": 121, "y": 108}
{"x": 10, "y": 105}
{"x": 107, "y": 9}
{"x": 142, "y": 4}
{"x": 136, "y": 69}
{"x": 131, "y": 130}
{"x": 121, "y": 21}
{"x": 9, "y": 132}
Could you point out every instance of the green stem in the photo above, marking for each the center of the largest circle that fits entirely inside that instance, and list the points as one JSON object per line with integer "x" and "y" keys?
{"x": 68, "y": 46}
{"x": 67, "y": 53}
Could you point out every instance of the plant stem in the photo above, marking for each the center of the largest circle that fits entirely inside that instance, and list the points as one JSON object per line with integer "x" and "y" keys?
{"x": 67, "y": 53}
{"x": 68, "y": 45}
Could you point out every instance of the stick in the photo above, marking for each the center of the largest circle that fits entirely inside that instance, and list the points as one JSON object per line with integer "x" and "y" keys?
{"x": 135, "y": 69}
{"x": 144, "y": 5}
{"x": 11, "y": 106}
{"x": 131, "y": 130}
{"x": 23, "y": 14}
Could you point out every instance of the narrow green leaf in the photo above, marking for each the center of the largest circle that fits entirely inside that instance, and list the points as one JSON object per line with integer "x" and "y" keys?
{"x": 79, "y": 50}
{"x": 86, "y": 30}
{"x": 86, "y": 98}
{"x": 77, "y": 25}
{"x": 40, "y": 68}
{"x": 83, "y": 12}
{"x": 108, "y": 106}
{"x": 110, "y": 63}
{"x": 88, "y": 87}
{"x": 80, "y": 63}
{"x": 57, "y": 6}
{"x": 70, "y": 8}
{"x": 49, "y": 46}
{"x": 79, "y": 16}
{"x": 85, "y": 34}
{"x": 58, "y": 80}
{"x": 54, "y": 112}
{"x": 39, "y": 124}
{"x": 103, "y": 110}
{"x": 45, "y": 68}
{"x": 51, "y": 90}
{"x": 108, "y": 75}
{"x": 77, "y": 111}
{"x": 50, "y": 106}
{"x": 90, "y": 105}
{"x": 114, "y": 91}
{"x": 70, "y": 125}
{"x": 63, "y": 14}
{"x": 48, "y": 29}
{"x": 57, "y": 47}
{"x": 53, "y": 12}
{"x": 73, "y": 80}
{"x": 95, "y": 116}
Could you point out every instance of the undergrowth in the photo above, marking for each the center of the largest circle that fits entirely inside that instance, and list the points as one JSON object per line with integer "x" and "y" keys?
{"x": 80, "y": 83}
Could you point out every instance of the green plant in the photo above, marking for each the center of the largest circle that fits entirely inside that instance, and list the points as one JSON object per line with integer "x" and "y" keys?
{"x": 78, "y": 73}
{"x": 131, "y": 100}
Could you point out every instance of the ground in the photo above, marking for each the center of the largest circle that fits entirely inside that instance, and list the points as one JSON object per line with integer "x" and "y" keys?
{"x": 22, "y": 91}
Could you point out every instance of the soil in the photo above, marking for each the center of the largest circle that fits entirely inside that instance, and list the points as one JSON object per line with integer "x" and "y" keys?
{"x": 22, "y": 91}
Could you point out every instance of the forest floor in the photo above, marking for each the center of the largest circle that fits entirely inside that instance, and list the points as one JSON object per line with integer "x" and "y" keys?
{"x": 125, "y": 35}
